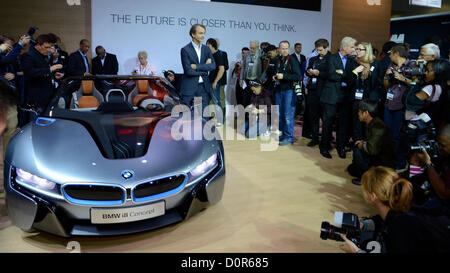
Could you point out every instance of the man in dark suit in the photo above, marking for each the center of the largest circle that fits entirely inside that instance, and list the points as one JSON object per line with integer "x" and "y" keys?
{"x": 301, "y": 59}
{"x": 104, "y": 63}
{"x": 335, "y": 98}
{"x": 197, "y": 60}
{"x": 317, "y": 76}
{"x": 78, "y": 64}
{"x": 39, "y": 75}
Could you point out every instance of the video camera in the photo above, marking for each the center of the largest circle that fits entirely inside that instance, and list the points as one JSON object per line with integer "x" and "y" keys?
{"x": 344, "y": 223}
{"x": 30, "y": 33}
{"x": 417, "y": 71}
{"x": 410, "y": 72}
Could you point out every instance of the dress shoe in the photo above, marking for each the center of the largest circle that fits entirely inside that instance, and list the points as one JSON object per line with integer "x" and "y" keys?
{"x": 325, "y": 153}
{"x": 356, "y": 182}
{"x": 341, "y": 153}
{"x": 312, "y": 143}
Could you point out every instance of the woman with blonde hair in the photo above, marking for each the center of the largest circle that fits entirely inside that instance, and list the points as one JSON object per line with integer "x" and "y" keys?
{"x": 405, "y": 229}
{"x": 365, "y": 81}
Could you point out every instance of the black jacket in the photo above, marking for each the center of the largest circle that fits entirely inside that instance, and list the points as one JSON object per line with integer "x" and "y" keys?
{"x": 333, "y": 92}
{"x": 290, "y": 68}
{"x": 371, "y": 85}
{"x": 223, "y": 80}
{"x": 419, "y": 230}
{"x": 110, "y": 66}
{"x": 38, "y": 78}
{"x": 75, "y": 65}
{"x": 302, "y": 63}
{"x": 322, "y": 66}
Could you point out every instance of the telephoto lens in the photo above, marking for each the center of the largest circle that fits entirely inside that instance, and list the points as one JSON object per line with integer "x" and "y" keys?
{"x": 328, "y": 231}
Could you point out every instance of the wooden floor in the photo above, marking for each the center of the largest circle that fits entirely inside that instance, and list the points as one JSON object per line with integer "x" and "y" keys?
{"x": 273, "y": 202}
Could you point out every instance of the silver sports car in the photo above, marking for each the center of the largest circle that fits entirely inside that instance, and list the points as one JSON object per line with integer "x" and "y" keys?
{"x": 105, "y": 162}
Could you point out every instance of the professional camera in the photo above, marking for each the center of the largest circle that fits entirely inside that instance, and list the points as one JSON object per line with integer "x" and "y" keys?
{"x": 422, "y": 134}
{"x": 344, "y": 223}
{"x": 417, "y": 71}
{"x": 411, "y": 72}
{"x": 30, "y": 33}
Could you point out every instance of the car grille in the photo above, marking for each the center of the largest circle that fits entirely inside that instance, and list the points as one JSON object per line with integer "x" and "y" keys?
{"x": 94, "y": 194}
{"x": 159, "y": 188}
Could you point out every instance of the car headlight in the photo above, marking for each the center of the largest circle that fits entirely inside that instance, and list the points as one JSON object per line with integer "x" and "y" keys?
{"x": 36, "y": 183}
{"x": 204, "y": 167}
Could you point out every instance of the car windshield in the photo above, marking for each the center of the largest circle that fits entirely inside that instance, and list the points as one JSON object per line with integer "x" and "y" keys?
{"x": 119, "y": 112}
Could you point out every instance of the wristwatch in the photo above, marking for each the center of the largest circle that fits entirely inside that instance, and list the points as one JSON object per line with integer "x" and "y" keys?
{"x": 426, "y": 166}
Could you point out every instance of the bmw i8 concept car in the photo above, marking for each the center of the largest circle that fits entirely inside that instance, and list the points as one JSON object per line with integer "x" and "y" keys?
{"x": 104, "y": 162}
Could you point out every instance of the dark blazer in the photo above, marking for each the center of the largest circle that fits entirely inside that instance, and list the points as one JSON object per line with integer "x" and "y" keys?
{"x": 370, "y": 85}
{"x": 302, "y": 63}
{"x": 189, "y": 82}
{"x": 75, "y": 65}
{"x": 332, "y": 92}
{"x": 322, "y": 66}
{"x": 38, "y": 78}
{"x": 110, "y": 66}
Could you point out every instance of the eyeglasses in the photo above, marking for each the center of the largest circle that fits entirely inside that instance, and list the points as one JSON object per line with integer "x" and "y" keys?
{"x": 360, "y": 49}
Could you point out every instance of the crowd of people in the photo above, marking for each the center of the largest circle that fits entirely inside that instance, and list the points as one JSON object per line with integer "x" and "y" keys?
{"x": 389, "y": 110}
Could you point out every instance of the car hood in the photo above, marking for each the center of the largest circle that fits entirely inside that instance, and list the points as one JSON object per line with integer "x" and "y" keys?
{"x": 64, "y": 151}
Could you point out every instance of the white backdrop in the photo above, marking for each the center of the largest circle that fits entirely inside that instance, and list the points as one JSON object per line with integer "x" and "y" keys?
{"x": 161, "y": 27}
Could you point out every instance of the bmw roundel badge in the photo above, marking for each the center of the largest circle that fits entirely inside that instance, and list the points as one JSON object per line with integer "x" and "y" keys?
{"x": 127, "y": 174}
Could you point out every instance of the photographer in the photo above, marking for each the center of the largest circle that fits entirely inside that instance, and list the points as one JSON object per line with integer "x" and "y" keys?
{"x": 288, "y": 72}
{"x": 260, "y": 103}
{"x": 430, "y": 99}
{"x": 269, "y": 65}
{"x": 438, "y": 173}
{"x": 39, "y": 75}
{"x": 404, "y": 229}
{"x": 9, "y": 53}
{"x": 396, "y": 83}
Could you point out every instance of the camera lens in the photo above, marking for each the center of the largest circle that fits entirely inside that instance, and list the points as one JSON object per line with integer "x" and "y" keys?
{"x": 325, "y": 230}
{"x": 331, "y": 232}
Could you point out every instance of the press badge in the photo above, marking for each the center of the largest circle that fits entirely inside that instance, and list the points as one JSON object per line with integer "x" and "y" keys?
{"x": 372, "y": 68}
{"x": 390, "y": 95}
{"x": 314, "y": 80}
{"x": 359, "y": 94}
{"x": 251, "y": 64}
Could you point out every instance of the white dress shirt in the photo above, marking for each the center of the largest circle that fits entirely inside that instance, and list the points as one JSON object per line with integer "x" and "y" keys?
{"x": 198, "y": 50}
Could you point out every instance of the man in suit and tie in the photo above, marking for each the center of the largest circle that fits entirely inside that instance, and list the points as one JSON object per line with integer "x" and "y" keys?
{"x": 335, "y": 98}
{"x": 104, "y": 63}
{"x": 78, "y": 64}
{"x": 197, "y": 60}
